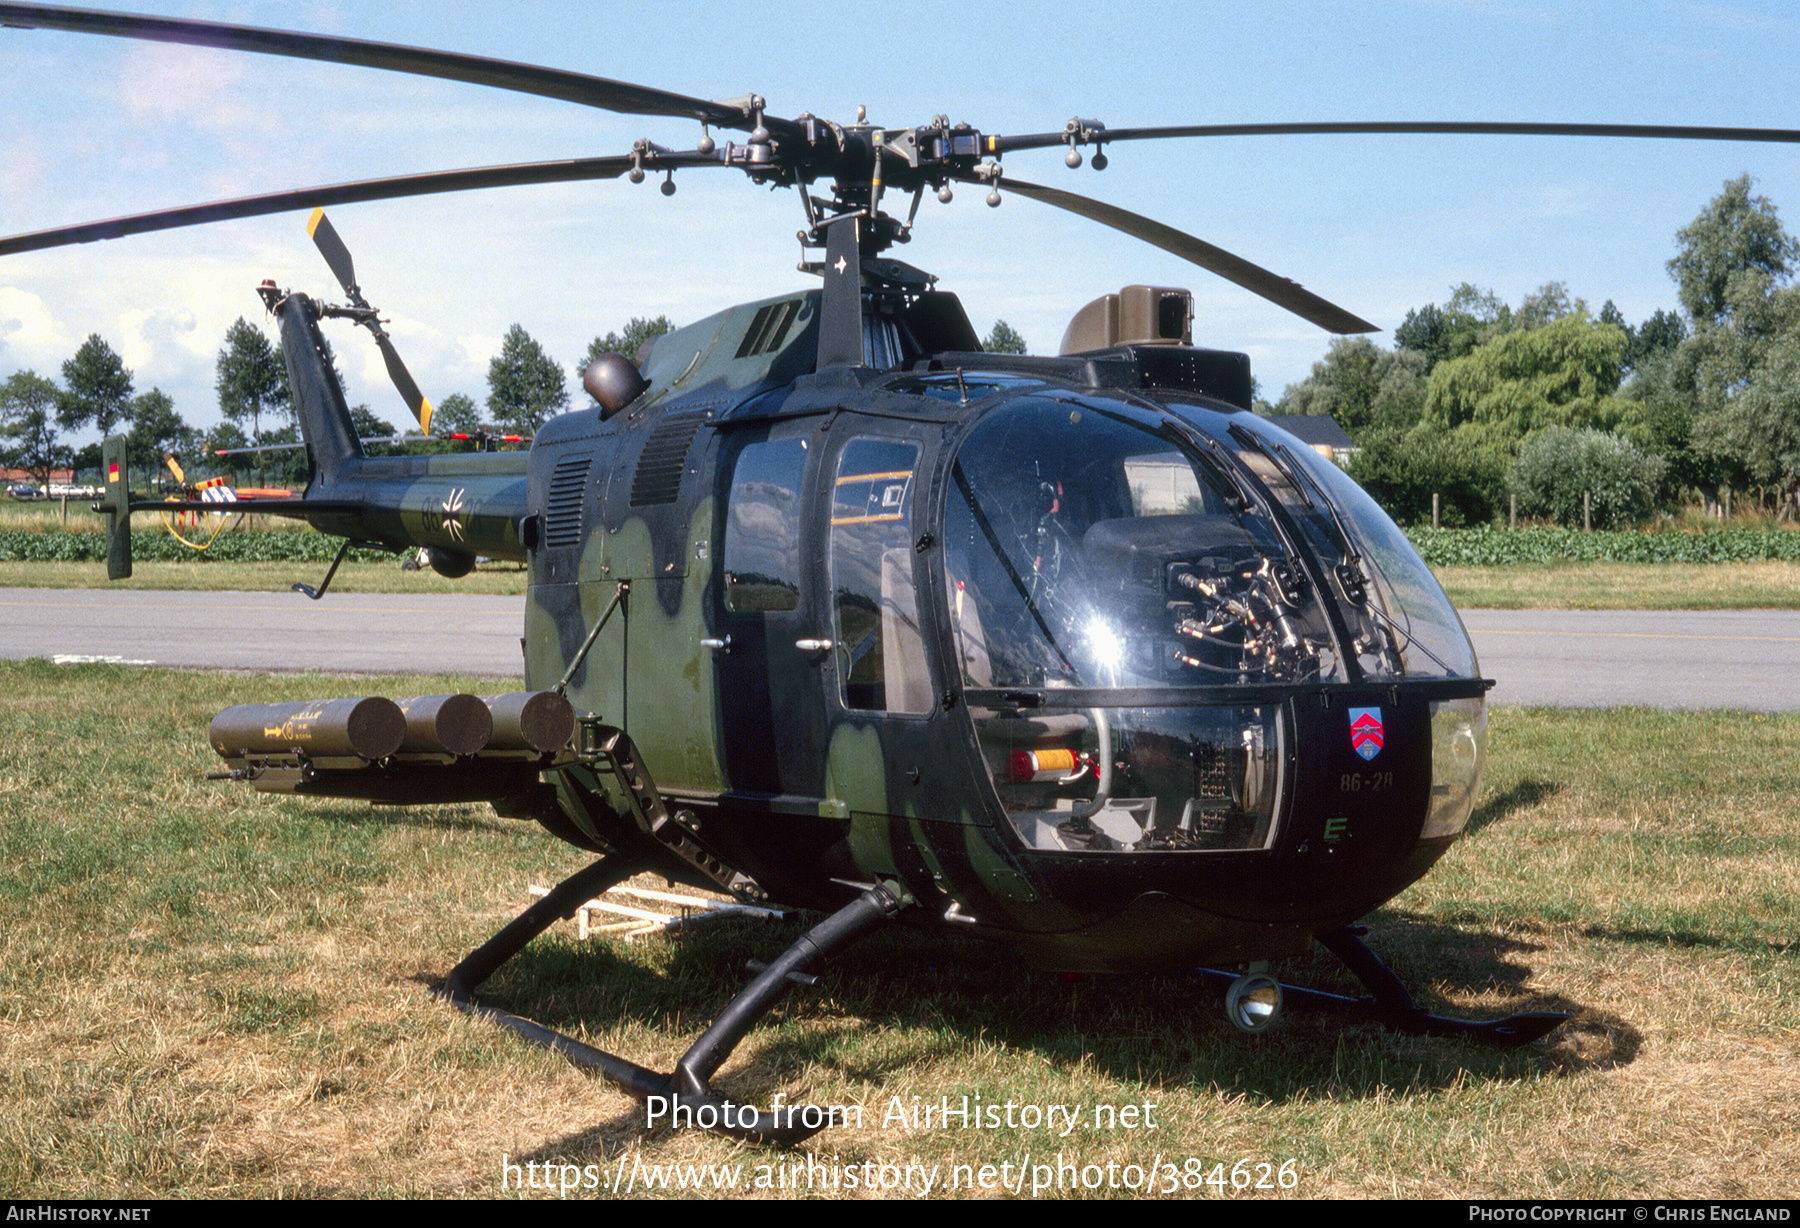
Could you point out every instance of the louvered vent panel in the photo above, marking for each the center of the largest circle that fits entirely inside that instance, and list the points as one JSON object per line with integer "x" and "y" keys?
{"x": 658, "y": 476}
{"x": 562, "y": 520}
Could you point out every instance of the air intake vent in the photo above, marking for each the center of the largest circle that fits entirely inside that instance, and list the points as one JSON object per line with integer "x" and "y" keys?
{"x": 770, "y": 328}
{"x": 568, "y": 485}
{"x": 658, "y": 476}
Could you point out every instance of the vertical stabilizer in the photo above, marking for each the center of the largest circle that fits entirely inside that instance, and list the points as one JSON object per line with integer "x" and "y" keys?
{"x": 116, "y": 507}
{"x": 331, "y": 442}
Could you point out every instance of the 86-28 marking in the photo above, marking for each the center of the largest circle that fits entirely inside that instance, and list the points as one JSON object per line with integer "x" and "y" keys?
{"x": 1365, "y": 782}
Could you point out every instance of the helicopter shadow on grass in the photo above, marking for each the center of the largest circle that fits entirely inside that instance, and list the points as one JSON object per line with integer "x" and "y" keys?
{"x": 1520, "y": 796}
{"x": 909, "y": 1011}
{"x": 1455, "y": 967}
{"x": 928, "y": 999}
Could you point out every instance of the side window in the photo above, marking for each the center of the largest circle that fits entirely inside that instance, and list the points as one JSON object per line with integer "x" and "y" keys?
{"x": 761, "y": 556}
{"x": 881, "y": 655}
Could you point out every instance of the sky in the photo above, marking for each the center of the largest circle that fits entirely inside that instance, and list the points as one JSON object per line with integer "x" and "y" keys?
{"x": 97, "y": 127}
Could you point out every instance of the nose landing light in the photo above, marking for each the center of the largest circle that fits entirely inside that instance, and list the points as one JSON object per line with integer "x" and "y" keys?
{"x": 1253, "y": 1002}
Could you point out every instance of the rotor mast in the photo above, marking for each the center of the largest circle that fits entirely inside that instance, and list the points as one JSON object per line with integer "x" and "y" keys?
{"x": 862, "y": 161}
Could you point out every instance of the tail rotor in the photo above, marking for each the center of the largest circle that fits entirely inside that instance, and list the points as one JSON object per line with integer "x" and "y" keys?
{"x": 337, "y": 256}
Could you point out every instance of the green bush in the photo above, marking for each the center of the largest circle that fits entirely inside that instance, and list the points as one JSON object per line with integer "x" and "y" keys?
{"x": 1489, "y": 547}
{"x": 1558, "y": 466}
{"x": 1401, "y": 470}
{"x": 235, "y": 546}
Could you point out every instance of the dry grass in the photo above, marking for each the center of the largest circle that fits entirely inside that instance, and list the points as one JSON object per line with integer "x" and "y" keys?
{"x": 378, "y": 577}
{"x": 43, "y": 513}
{"x": 1625, "y": 586}
{"x": 206, "y": 992}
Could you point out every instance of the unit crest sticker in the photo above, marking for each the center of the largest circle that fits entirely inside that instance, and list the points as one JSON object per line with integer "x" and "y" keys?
{"x": 1366, "y": 731}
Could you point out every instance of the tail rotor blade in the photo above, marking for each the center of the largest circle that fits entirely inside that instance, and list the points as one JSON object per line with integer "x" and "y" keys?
{"x": 325, "y": 238}
{"x": 404, "y": 382}
{"x": 337, "y": 254}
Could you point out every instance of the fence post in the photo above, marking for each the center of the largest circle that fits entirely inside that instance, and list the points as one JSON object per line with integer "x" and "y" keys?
{"x": 1512, "y": 514}
{"x": 1587, "y": 512}
{"x": 1434, "y": 509}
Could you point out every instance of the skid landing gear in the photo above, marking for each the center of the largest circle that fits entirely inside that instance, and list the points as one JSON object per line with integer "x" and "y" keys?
{"x": 684, "y": 1094}
{"x": 1390, "y": 1004}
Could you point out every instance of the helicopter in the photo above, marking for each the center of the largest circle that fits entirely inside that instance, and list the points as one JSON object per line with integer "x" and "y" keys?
{"x": 830, "y": 608}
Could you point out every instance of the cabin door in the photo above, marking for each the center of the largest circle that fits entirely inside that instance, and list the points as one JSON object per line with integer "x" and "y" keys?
{"x": 771, "y": 640}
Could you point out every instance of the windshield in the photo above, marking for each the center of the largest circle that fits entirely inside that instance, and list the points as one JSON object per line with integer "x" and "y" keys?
{"x": 1093, "y": 545}
{"x": 1089, "y": 545}
{"x": 1392, "y": 604}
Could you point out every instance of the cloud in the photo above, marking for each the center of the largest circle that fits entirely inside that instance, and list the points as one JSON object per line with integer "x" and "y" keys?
{"x": 29, "y": 334}
{"x": 158, "y": 332}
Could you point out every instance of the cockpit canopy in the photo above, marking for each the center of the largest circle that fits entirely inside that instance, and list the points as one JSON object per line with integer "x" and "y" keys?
{"x": 1133, "y": 593}
{"x": 1092, "y": 542}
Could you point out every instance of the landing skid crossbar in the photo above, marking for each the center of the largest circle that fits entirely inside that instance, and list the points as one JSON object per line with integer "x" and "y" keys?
{"x": 685, "y": 1094}
{"x": 1392, "y": 1006}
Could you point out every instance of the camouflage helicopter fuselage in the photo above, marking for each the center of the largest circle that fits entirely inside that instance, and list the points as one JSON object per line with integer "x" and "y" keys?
{"x": 1069, "y": 653}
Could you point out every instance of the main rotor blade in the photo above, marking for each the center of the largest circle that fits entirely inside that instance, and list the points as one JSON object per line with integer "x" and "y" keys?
{"x": 391, "y": 188}
{"x": 574, "y": 87}
{"x": 1660, "y": 132}
{"x": 1277, "y": 289}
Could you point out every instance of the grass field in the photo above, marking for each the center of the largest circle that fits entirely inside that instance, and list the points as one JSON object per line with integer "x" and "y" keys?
{"x": 352, "y": 577}
{"x": 1625, "y": 586}
{"x": 204, "y": 991}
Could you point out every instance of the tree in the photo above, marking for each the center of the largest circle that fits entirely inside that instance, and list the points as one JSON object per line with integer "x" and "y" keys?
{"x": 456, "y": 414}
{"x": 1658, "y": 335}
{"x": 28, "y": 438}
{"x": 157, "y": 429}
{"x": 1403, "y": 468}
{"x": 1470, "y": 317}
{"x": 629, "y": 343}
{"x": 1735, "y": 235}
{"x": 1482, "y": 306}
{"x": 1545, "y": 305}
{"x": 1759, "y": 428}
{"x": 1341, "y": 386}
{"x": 1429, "y": 332}
{"x": 525, "y": 385}
{"x": 368, "y": 426}
{"x": 1003, "y": 340}
{"x": 282, "y": 465}
{"x": 1566, "y": 373}
{"x": 1559, "y": 466}
{"x": 227, "y": 437}
{"x": 1669, "y": 418}
{"x": 1732, "y": 376}
{"x": 252, "y": 378}
{"x": 97, "y": 388}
